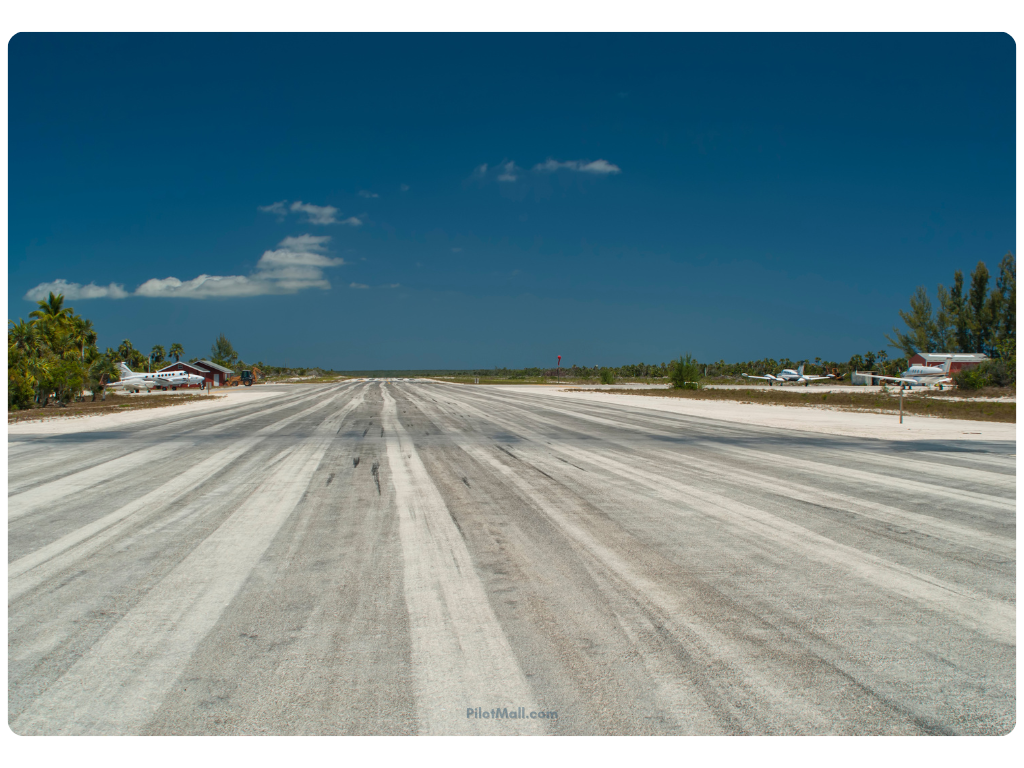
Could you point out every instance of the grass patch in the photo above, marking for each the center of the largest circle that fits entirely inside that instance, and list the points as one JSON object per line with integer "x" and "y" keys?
{"x": 114, "y": 404}
{"x": 917, "y": 404}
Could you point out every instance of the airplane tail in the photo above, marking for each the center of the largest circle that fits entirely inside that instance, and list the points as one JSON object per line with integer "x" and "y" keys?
{"x": 800, "y": 370}
{"x": 124, "y": 369}
{"x": 945, "y": 368}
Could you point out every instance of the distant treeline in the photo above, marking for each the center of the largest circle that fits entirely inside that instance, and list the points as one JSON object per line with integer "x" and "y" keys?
{"x": 879, "y": 362}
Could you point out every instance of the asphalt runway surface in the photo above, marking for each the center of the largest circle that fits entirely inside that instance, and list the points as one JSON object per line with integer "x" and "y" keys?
{"x": 403, "y": 557}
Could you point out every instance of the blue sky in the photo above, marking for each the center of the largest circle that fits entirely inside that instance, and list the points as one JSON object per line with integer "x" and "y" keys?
{"x": 428, "y": 201}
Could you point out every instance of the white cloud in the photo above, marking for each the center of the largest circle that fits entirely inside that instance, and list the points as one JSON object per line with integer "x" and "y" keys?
{"x": 480, "y": 171}
{"x": 456, "y": 250}
{"x": 277, "y": 208}
{"x": 204, "y": 287}
{"x": 597, "y": 167}
{"x": 404, "y": 187}
{"x": 551, "y": 165}
{"x": 366, "y": 193}
{"x": 306, "y": 243}
{"x": 317, "y": 214}
{"x": 298, "y": 263}
{"x": 352, "y": 221}
{"x": 510, "y": 172}
{"x": 393, "y": 285}
{"x": 360, "y": 286}
{"x": 75, "y": 291}
{"x": 602, "y": 167}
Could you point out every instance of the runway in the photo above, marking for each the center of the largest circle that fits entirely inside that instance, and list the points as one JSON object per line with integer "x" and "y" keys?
{"x": 403, "y": 557}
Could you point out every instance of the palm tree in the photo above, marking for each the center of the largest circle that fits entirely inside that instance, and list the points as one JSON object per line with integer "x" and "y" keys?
{"x": 24, "y": 336}
{"x": 65, "y": 344}
{"x": 52, "y": 308}
{"x": 177, "y": 350}
{"x": 84, "y": 333}
{"x": 157, "y": 354}
{"x": 125, "y": 350}
{"x": 137, "y": 359}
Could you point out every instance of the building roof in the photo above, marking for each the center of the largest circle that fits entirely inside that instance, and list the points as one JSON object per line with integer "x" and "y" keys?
{"x": 958, "y": 357}
{"x": 192, "y": 366}
{"x": 213, "y": 366}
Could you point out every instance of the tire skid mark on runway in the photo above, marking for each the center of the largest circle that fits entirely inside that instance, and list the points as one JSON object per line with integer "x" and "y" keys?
{"x": 871, "y": 479}
{"x": 739, "y": 684}
{"x": 43, "y": 496}
{"x": 118, "y": 684}
{"x": 45, "y": 563}
{"x": 584, "y": 642}
{"x": 921, "y": 713}
{"x": 633, "y": 418}
{"x": 729, "y": 674}
{"x": 760, "y": 457}
{"x": 946, "y": 473}
{"x": 930, "y": 525}
{"x": 461, "y": 657}
{"x": 317, "y": 397}
{"x": 989, "y": 477}
{"x": 992, "y": 617}
{"x": 60, "y": 460}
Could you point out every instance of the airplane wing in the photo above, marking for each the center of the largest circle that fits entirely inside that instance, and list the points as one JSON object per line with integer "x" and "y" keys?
{"x": 898, "y": 380}
{"x": 808, "y": 377}
{"x": 769, "y": 377}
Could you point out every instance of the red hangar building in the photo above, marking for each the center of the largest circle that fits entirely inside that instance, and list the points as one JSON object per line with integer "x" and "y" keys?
{"x": 215, "y": 375}
{"x": 960, "y": 361}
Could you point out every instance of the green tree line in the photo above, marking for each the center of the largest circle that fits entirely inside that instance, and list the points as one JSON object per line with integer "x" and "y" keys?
{"x": 980, "y": 317}
{"x": 53, "y": 354}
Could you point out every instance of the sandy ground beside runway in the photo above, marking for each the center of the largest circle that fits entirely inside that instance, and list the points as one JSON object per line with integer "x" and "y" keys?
{"x": 65, "y": 425}
{"x": 818, "y": 419}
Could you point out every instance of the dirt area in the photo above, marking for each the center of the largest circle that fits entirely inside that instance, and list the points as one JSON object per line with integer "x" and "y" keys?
{"x": 939, "y": 405}
{"x": 115, "y": 403}
{"x": 56, "y": 420}
{"x": 881, "y": 425}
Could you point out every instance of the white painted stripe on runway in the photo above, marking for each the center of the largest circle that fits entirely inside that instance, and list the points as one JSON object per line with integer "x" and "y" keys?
{"x": 53, "y": 492}
{"x": 460, "y": 656}
{"x": 121, "y": 681}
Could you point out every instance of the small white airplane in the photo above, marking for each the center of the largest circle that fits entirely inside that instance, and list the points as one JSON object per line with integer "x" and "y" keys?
{"x": 922, "y": 376}
{"x": 788, "y": 374}
{"x": 132, "y": 381}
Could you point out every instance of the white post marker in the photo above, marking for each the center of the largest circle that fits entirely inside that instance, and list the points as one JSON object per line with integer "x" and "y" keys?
{"x": 901, "y": 404}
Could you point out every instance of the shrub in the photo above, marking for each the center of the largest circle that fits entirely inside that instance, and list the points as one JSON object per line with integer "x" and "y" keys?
{"x": 20, "y": 392}
{"x": 685, "y": 373}
{"x": 65, "y": 380}
{"x": 991, "y": 373}
{"x": 607, "y": 377}
{"x": 970, "y": 378}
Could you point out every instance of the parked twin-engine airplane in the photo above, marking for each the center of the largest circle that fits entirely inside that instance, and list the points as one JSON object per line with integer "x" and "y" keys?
{"x": 788, "y": 374}
{"x": 132, "y": 381}
{"x": 922, "y": 376}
